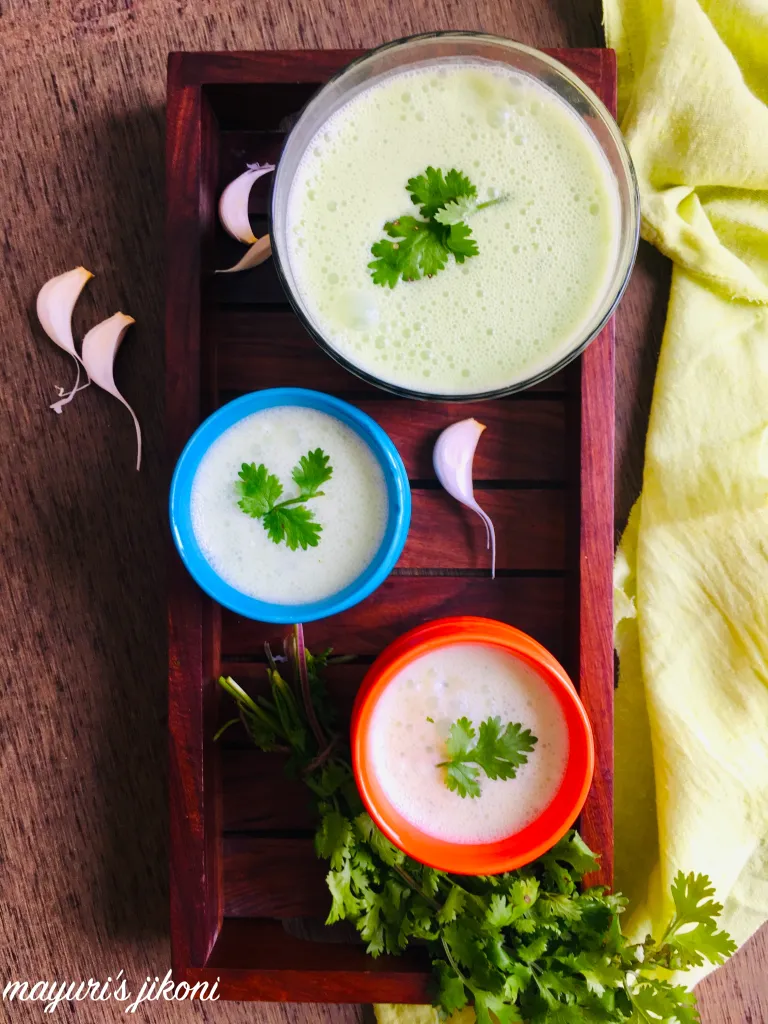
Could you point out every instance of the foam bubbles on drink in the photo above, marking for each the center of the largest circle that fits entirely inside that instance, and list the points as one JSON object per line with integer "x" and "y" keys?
{"x": 512, "y": 137}
{"x": 476, "y": 681}
{"x": 352, "y": 511}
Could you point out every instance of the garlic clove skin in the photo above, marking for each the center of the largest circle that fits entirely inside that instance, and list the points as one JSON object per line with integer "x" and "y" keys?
{"x": 233, "y": 204}
{"x": 55, "y": 304}
{"x": 100, "y": 347}
{"x": 452, "y": 458}
{"x": 260, "y": 251}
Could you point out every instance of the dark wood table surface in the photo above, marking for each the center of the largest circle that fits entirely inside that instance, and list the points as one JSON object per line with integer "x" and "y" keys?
{"x": 83, "y": 849}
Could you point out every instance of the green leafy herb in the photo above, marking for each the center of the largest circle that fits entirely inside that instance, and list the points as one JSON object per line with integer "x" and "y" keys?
{"x": 290, "y": 520}
{"x": 499, "y": 753}
{"x": 531, "y": 945}
{"x": 311, "y": 473}
{"x": 423, "y": 246}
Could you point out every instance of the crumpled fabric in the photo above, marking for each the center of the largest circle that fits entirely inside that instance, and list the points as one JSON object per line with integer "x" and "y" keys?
{"x": 691, "y": 573}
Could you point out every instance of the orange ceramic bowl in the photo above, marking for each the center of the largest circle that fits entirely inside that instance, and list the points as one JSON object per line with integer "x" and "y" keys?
{"x": 545, "y": 830}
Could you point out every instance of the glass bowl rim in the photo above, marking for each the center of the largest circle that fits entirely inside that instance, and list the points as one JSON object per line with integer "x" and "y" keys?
{"x": 631, "y": 250}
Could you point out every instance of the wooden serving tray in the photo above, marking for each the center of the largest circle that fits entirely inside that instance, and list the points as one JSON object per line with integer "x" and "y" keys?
{"x": 247, "y": 891}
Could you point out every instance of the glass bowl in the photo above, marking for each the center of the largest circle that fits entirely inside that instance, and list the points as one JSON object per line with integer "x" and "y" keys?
{"x": 439, "y": 49}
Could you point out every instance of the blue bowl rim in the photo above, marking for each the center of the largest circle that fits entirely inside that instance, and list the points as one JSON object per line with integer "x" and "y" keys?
{"x": 398, "y": 494}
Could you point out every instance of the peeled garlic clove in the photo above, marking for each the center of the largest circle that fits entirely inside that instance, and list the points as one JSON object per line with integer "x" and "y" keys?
{"x": 233, "y": 205}
{"x": 100, "y": 347}
{"x": 55, "y": 303}
{"x": 260, "y": 251}
{"x": 452, "y": 458}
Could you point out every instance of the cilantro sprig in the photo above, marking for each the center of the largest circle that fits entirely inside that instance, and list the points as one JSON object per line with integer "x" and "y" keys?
{"x": 422, "y": 246}
{"x": 498, "y": 752}
{"x": 290, "y": 520}
{"x": 530, "y": 945}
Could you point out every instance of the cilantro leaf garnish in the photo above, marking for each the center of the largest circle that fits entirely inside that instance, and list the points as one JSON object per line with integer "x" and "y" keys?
{"x": 422, "y": 247}
{"x": 259, "y": 490}
{"x": 431, "y": 191}
{"x": 312, "y": 472}
{"x": 457, "y": 210}
{"x": 419, "y": 250}
{"x": 289, "y": 520}
{"x": 529, "y": 945}
{"x": 498, "y": 752}
{"x": 295, "y": 526}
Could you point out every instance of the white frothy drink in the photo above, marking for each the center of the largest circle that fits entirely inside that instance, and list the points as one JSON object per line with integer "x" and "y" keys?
{"x": 476, "y": 681}
{"x": 352, "y": 511}
{"x": 546, "y": 253}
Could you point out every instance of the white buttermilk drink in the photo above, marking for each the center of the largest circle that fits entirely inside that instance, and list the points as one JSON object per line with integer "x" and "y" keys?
{"x": 352, "y": 512}
{"x": 546, "y": 253}
{"x": 476, "y": 681}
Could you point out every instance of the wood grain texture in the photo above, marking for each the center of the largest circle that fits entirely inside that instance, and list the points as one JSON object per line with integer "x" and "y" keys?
{"x": 83, "y": 717}
{"x": 194, "y": 899}
{"x": 592, "y": 608}
{"x": 402, "y": 602}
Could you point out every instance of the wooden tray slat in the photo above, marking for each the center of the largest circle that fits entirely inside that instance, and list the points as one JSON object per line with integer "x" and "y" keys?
{"x": 296, "y": 878}
{"x": 524, "y": 443}
{"x": 535, "y": 605}
{"x": 529, "y": 524}
{"x": 259, "y": 958}
{"x": 523, "y": 446}
{"x": 256, "y": 287}
{"x": 258, "y": 797}
{"x": 524, "y": 438}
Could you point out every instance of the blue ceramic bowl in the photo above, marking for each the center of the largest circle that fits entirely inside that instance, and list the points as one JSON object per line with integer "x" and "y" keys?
{"x": 398, "y": 494}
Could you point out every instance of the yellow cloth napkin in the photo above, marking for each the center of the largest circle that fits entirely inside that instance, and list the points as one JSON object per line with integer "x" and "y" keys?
{"x": 691, "y": 597}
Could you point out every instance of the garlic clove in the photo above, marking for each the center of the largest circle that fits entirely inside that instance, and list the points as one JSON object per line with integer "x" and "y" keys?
{"x": 452, "y": 458}
{"x": 260, "y": 251}
{"x": 233, "y": 205}
{"x": 55, "y": 304}
{"x": 100, "y": 346}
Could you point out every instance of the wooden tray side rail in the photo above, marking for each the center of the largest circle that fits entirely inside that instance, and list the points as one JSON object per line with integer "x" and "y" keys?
{"x": 247, "y": 893}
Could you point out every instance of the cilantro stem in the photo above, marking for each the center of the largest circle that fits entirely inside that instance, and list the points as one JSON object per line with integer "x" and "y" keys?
{"x": 272, "y": 721}
{"x": 270, "y": 656}
{"x": 454, "y": 965}
{"x": 220, "y": 732}
{"x": 411, "y": 881}
{"x": 490, "y": 202}
{"x": 321, "y": 758}
{"x": 457, "y": 885}
{"x": 638, "y": 1009}
{"x": 300, "y": 653}
{"x": 670, "y": 930}
{"x": 298, "y": 500}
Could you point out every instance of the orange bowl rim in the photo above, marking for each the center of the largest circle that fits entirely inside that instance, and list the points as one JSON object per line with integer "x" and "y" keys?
{"x": 546, "y": 829}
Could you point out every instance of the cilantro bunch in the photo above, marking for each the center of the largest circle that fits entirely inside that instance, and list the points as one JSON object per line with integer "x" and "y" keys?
{"x": 423, "y": 245}
{"x": 290, "y": 520}
{"x": 527, "y": 946}
{"x": 498, "y": 752}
